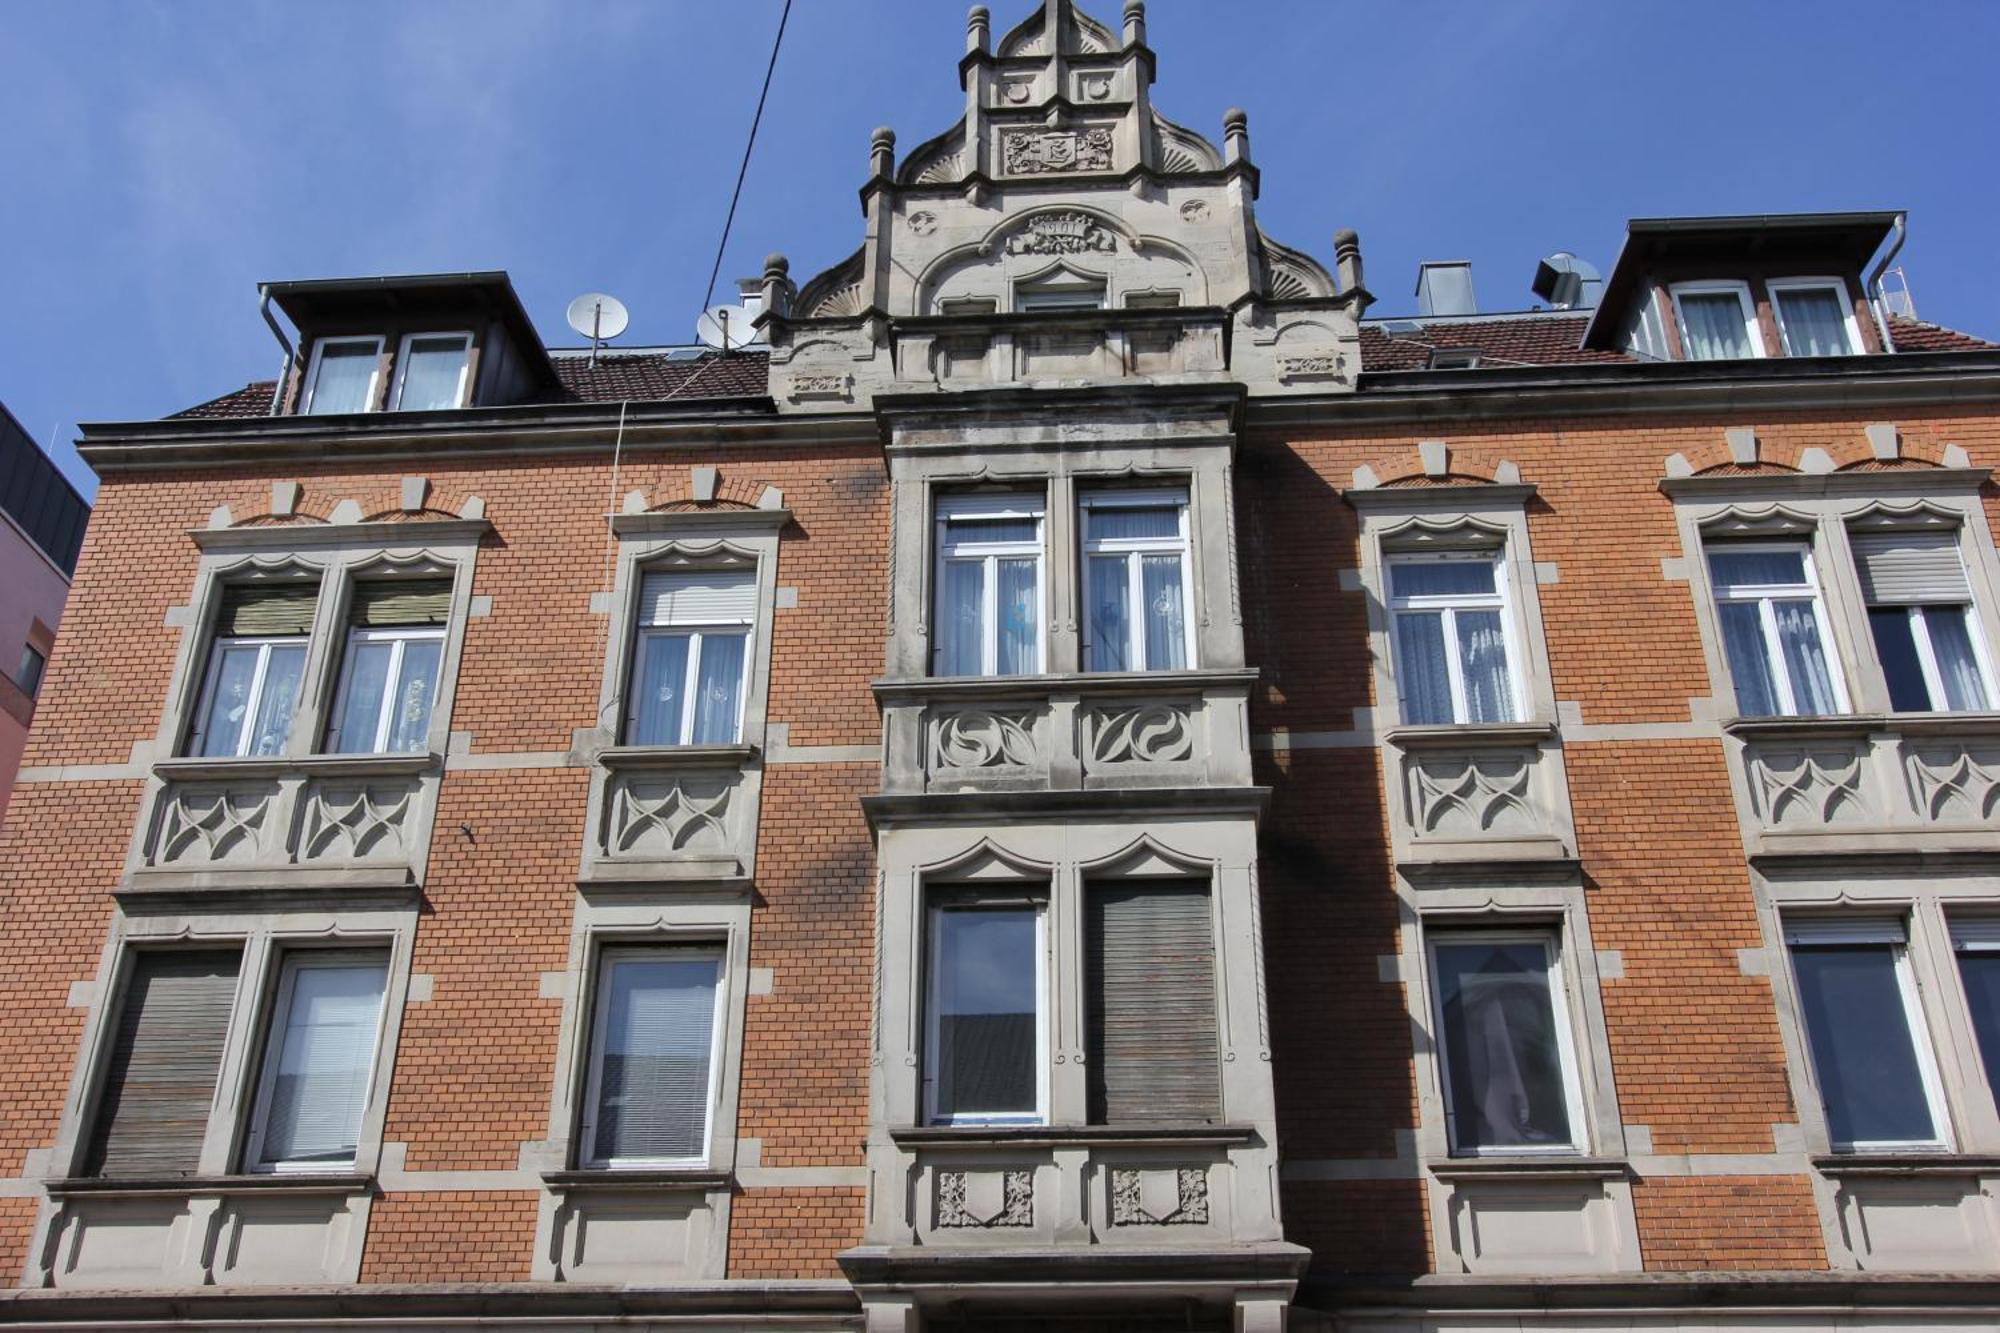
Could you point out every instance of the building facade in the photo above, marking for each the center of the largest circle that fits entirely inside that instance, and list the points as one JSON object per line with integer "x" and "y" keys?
{"x": 1088, "y": 783}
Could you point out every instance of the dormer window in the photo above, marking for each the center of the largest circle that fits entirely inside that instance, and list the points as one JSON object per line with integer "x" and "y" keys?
{"x": 432, "y": 370}
{"x": 1815, "y": 317}
{"x": 1718, "y": 321}
{"x": 343, "y": 376}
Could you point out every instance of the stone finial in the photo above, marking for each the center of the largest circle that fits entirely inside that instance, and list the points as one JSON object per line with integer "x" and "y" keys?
{"x": 1135, "y": 22}
{"x": 777, "y": 285}
{"x": 882, "y": 152}
{"x": 977, "y": 30}
{"x": 1347, "y": 259}
{"x": 1236, "y": 134}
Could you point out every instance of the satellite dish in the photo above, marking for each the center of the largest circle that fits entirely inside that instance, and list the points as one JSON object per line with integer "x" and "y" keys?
{"x": 727, "y": 327}
{"x": 599, "y": 318}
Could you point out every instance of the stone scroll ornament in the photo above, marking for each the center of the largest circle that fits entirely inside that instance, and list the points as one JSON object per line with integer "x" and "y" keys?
{"x": 1062, "y": 234}
{"x": 1039, "y": 152}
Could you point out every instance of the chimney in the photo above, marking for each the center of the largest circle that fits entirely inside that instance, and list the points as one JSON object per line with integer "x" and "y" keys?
{"x": 1444, "y": 287}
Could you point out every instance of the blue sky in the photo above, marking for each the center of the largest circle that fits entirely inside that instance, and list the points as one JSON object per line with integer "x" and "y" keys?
{"x": 160, "y": 157}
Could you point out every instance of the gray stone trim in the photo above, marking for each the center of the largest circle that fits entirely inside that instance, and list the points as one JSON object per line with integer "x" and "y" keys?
{"x": 311, "y": 536}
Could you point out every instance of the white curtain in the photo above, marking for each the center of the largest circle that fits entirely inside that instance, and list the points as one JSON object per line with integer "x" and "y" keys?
{"x": 1805, "y": 658}
{"x": 1110, "y": 620}
{"x": 960, "y": 617}
{"x": 432, "y": 368}
{"x": 1958, "y": 666}
{"x": 1712, "y": 327}
{"x": 1500, "y": 1044}
{"x": 1489, "y": 696}
{"x": 346, "y": 371}
{"x": 1815, "y": 324}
{"x": 1166, "y": 612}
{"x": 411, "y": 725}
{"x": 659, "y": 1028}
{"x": 718, "y": 686}
{"x": 325, "y": 1055}
{"x": 361, "y": 706}
{"x": 1019, "y": 627}
{"x": 1743, "y": 640}
{"x": 1426, "y": 681}
{"x": 656, "y": 693}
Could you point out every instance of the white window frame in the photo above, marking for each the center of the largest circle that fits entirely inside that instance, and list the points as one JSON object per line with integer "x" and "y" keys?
{"x": 697, "y": 632}
{"x": 1061, "y": 295}
{"x": 607, "y": 957}
{"x": 312, "y": 371}
{"x": 1895, "y": 935}
{"x": 1762, "y": 595}
{"x": 989, "y": 554}
{"x": 1449, "y": 605}
{"x": 1135, "y": 549}
{"x": 1549, "y": 937}
{"x": 403, "y": 365}
{"x": 218, "y": 645}
{"x": 1778, "y": 286}
{"x": 290, "y": 963}
{"x": 1716, "y": 287}
{"x": 1973, "y": 933}
{"x": 933, "y": 1009}
{"x": 398, "y": 636}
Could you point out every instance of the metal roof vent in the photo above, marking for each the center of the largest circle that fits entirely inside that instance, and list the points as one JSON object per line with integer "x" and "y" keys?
{"x": 1444, "y": 287}
{"x": 1568, "y": 283}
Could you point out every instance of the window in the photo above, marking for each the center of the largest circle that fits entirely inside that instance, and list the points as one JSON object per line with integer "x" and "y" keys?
{"x": 431, "y": 371}
{"x": 1768, "y": 602}
{"x": 652, "y": 1057}
{"x": 343, "y": 376}
{"x": 1074, "y": 294}
{"x": 1858, "y": 1003}
{"x": 1450, "y": 622}
{"x": 989, "y": 580}
{"x": 166, "y": 1051}
{"x": 692, "y": 657}
{"x": 1977, "y": 944}
{"x": 1510, "y": 1079}
{"x": 1718, "y": 322}
{"x": 255, "y": 665}
{"x": 986, "y": 1045}
{"x": 1151, "y": 1023}
{"x": 319, "y": 1060}
{"x": 28, "y": 675}
{"x": 1644, "y": 333}
{"x": 1920, "y": 611}
{"x": 1135, "y": 560}
{"x": 389, "y": 680}
{"x": 1815, "y": 317}
{"x": 1454, "y": 358}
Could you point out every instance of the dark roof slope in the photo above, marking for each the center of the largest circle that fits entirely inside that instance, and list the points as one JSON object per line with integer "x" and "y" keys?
{"x": 1520, "y": 340}
{"x": 252, "y": 400}
{"x": 1914, "y": 335}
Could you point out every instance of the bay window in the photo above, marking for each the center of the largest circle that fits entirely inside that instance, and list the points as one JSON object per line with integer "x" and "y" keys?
{"x": 1510, "y": 1075}
{"x": 431, "y": 372}
{"x": 1768, "y": 603}
{"x": 256, "y": 664}
{"x": 1815, "y": 317}
{"x": 1920, "y": 613}
{"x": 319, "y": 1061}
{"x": 1135, "y": 563}
{"x": 986, "y": 1047}
{"x": 343, "y": 376}
{"x": 653, "y": 1063}
{"x": 389, "y": 675}
{"x": 1718, "y": 321}
{"x": 990, "y": 593}
{"x": 1449, "y": 620}
{"x": 691, "y": 658}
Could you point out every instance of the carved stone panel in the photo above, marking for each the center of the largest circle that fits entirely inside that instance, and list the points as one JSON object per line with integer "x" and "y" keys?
{"x": 1162, "y": 1198}
{"x": 1153, "y": 732}
{"x": 986, "y": 1200}
{"x": 1478, "y": 794}
{"x": 357, "y": 820}
{"x": 984, "y": 738}
{"x": 1812, "y": 786}
{"x": 1953, "y": 781}
{"x": 201, "y": 825}
{"x": 652, "y": 815}
{"x": 1041, "y": 152}
{"x": 1062, "y": 234}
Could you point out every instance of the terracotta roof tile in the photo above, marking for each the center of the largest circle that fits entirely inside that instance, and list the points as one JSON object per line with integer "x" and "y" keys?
{"x": 1914, "y": 335}
{"x": 650, "y": 376}
{"x": 252, "y": 400}
{"x": 1529, "y": 339}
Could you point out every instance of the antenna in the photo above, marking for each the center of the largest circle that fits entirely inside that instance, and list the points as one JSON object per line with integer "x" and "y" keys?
{"x": 599, "y": 318}
{"x": 728, "y": 327}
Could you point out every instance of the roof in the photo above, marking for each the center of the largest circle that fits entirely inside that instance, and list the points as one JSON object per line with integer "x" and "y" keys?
{"x": 1530, "y": 339}
{"x": 1914, "y": 335}
{"x": 36, "y": 495}
{"x": 318, "y": 301}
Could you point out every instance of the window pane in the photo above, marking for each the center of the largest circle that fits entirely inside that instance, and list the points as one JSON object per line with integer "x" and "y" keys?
{"x": 1951, "y": 644}
{"x": 1502, "y": 1054}
{"x": 1785, "y": 567}
{"x": 719, "y": 688}
{"x": 324, "y": 1057}
{"x": 1482, "y": 648}
{"x": 28, "y": 675}
{"x": 1861, "y": 1047}
{"x": 228, "y": 700}
{"x": 1110, "y": 624}
{"x": 1749, "y": 663}
{"x": 657, "y": 1033}
{"x": 963, "y": 530}
{"x": 1166, "y": 612}
{"x": 1442, "y": 578}
{"x": 1813, "y": 321}
{"x": 361, "y": 705}
{"x": 283, "y": 670}
{"x": 431, "y": 371}
{"x": 1426, "y": 686}
{"x": 1019, "y": 620}
{"x": 985, "y": 1024}
{"x": 1712, "y": 326}
{"x": 346, "y": 373}
{"x": 1805, "y": 658}
{"x": 656, "y": 689}
{"x": 410, "y": 728}
{"x": 961, "y": 616}
{"x": 1896, "y": 647}
{"x": 1132, "y": 522}
{"x": 1981, "y": 972}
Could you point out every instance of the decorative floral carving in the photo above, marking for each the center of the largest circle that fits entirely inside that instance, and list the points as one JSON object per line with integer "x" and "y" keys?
{"x": 839, "y": 303}
{"x": 1096, "y": 87}
{"x": 942, "y": 169}
{"x": 355, "y": 822}
{"x": 1315, "y": 366}
{"x": 1809, "y": 787}
{"x": 1955, "y": 782}
{"x": 1471, "y": 794}
{"x": 1038, "y": 152}
{"x": 1016, "y": 1203}
{"x": 1062, "y": 234}
{"x": 207, "y": 824}
{"x": 1151, "y": 733}
{"x": 667, "y": 815}
{"x": 1128, "y": 1198}
{"x": 983, "y": 738}
{"x": 1195, "y": 210}
{"x": 923, "y": 222}
{"x": 818, "y": 386}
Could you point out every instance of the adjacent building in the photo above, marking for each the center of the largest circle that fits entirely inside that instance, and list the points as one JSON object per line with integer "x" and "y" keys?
{"x": 41, "y": 528}
{"x": 1092, "y": 783}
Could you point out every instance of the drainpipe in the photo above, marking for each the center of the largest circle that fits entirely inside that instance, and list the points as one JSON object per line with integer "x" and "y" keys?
{"x": 1876, "y": 301}
{"x": 285, "y": 375}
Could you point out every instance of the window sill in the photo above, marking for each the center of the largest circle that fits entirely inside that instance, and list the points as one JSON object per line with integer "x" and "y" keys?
{"x": 924, "y": 688}
{"x": 193, "y": 769}
{"x": 1921, "y": 1162}
{"x": 1530, "y": 1166}
{"x": 333, "y": 1182}
{"x": 1861, "y": 724}
{"x": 1454, "y": 736}
{"x": 676, "y": 756}
{"x": 613, "y": 1178}
{"x": 1071, "y": 1136}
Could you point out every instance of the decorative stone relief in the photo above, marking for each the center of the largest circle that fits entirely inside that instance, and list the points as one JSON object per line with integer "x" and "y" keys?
{"x": 942, "y": 169}
{"x": 213, "y": 825}
{"x": 986, "y": 1199}
{"x": 923, "y": 223}
{"x": 1038, "y": 152}
{"x": 983, "y": 738}
{"x": 664, "y": 815}
{"x": 355, "y": 821}
{"x": 1195, "y": 211}
{"x": 1465, "y": 795}
{"x": 1954, "y": 782}
{"x": 1810, "y": 787}
{"x": 1151, "y": 733}
{"x": 819, "y": 386}
{"x": 1316, "y": 366}
{"x": 1159, "y": 1198}
{"x": 1096, "y": 87}
{"x": 1062, "y": 234}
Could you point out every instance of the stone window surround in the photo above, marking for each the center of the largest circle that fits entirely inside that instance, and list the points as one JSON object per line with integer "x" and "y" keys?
{"x": 647, "y": 540}
{"x": 336, "y": 554}
{"x": 619, "y": 921}
{"x": 265, "y": 936}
